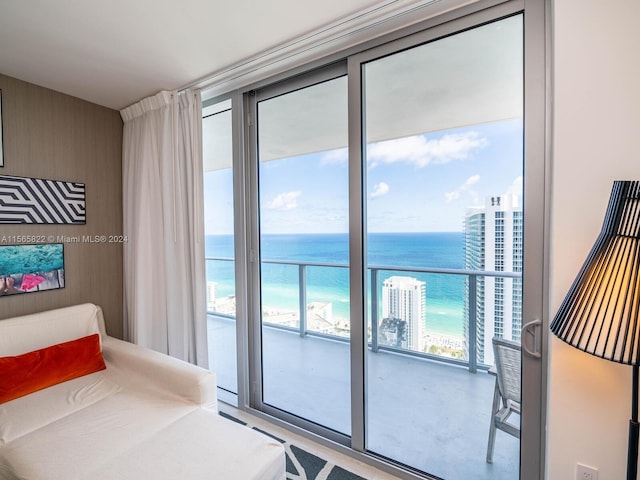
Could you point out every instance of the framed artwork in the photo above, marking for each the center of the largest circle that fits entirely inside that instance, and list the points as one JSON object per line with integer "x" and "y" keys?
{"x": 1, "y": 146}
{"x": 31, "y": 268}
{"x": 33, "y": 200}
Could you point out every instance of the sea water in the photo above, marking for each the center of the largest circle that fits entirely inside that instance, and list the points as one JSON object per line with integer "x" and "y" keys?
{"x": 444, "y": 292}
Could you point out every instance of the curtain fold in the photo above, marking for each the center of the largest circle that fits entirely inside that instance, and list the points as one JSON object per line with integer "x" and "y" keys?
{"x": 164, "y": 272}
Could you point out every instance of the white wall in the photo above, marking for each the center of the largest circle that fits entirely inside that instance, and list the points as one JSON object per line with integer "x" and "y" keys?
{"x": 596, "y": 74}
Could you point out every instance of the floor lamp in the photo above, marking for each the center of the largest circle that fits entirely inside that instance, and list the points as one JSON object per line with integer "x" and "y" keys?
{"x": 600, "y": 314}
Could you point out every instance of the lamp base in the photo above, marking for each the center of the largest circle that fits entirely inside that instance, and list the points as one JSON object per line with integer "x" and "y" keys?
{"x": 634, "y": 428}
{"x": 632, "y": 456}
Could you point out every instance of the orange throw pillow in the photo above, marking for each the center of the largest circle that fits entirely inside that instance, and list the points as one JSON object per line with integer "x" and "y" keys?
{"x": 33, "y": 371}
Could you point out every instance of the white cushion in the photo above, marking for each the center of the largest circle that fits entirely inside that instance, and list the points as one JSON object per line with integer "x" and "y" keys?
{"x": 24, "y": 334}
{"x": 146, "y": 416}
{"x": 129, "y": 436}
{"x": 145, "y": 370}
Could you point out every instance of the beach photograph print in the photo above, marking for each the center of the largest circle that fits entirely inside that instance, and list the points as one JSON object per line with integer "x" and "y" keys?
{"x": 31, "y": 268}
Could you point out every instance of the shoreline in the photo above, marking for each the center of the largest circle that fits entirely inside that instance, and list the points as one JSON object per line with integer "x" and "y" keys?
{"x": 333, "y": 324}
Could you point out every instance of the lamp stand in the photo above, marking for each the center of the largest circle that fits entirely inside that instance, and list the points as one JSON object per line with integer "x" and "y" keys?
{"x": 634, "y": 429}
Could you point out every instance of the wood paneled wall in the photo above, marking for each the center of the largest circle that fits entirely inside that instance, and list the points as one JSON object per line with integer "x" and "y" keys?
{"x": 54, "y": 136}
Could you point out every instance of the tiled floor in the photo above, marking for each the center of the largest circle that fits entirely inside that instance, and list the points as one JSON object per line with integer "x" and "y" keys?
{"x": 348, "y": 463}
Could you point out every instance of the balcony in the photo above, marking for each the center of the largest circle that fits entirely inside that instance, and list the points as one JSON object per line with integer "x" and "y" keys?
{"x": 435, "y": 418}
{"x": 428, "y": 412}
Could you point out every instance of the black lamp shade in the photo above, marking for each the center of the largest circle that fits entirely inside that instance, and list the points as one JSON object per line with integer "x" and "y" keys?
{"x": 600, "y": 314}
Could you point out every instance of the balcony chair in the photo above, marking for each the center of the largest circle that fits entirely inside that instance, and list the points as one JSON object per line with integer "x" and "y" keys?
{"x": 506, "y": 395}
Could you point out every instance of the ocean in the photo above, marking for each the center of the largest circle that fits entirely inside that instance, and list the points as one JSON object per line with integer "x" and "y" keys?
{"x": 444, "y": 293}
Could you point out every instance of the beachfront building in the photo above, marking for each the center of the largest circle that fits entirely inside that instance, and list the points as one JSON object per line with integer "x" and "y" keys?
{"x": 211, "y": 296}
{"x": 393, "y": 332}
{"x": 493, "y": 242}
{"x": 320, "y": 318}
{"x": 404, "y": 298}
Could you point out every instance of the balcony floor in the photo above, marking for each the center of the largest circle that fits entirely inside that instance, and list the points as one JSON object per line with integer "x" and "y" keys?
{"x": 428, "y": 415}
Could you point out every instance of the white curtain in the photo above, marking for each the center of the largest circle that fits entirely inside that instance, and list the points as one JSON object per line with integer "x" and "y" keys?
{"x": 164, "y": 272}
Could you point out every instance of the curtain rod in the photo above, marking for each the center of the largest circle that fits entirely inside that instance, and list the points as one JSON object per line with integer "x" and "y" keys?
{"x": 309, "y": 37}
{"x": 354, "y": 29}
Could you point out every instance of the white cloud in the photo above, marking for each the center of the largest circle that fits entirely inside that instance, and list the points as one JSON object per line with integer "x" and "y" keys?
{"x": 472, "y": 180}
{"x": 335, "y": 157}
{"x": 421, "y": 151}
{"x": 379, "y": 189}
{"x": 451, "y": 196}
{"x": 284, "y": 201}
{"x": 466, "y": 186}
{"x": 516, "y": 187}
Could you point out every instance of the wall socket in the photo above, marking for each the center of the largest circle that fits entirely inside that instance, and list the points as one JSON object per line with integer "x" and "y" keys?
{"x": 585, "y": 472}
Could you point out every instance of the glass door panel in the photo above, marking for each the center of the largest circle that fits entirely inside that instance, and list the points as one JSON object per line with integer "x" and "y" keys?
{"x": 443, "y": 125}
{"x": 304, "y": 250}
{"x": 219, "y": 243}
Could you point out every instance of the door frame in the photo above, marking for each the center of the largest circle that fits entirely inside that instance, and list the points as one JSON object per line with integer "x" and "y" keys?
{"x": 537, "y": 161}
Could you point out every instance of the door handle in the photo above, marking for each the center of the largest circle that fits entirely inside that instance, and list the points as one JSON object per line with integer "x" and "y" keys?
{"x": 532, "y": 329}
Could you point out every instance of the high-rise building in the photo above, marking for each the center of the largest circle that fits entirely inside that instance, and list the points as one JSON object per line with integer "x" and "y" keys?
{"x": 393, "y": 332}
{"x": 493, "y": 242}
{"x": 404, "y": 298}
{"x": 211, "y": 296}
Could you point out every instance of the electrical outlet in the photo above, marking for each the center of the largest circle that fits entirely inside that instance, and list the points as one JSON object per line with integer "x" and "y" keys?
{"x": 584, "y": 472}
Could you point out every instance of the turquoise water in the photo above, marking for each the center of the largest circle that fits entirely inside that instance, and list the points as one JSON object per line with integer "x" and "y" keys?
{"x": 15, "y": 259}
{"x": 445, "y": 293}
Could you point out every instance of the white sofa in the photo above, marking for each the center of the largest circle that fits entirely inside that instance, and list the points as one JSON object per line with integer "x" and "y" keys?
{"x": 146, "y": 416}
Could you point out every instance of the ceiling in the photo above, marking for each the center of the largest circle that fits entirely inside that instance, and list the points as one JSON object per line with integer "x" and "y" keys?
{"x": 459, "y": 81}
{"x": 116, "y": 52}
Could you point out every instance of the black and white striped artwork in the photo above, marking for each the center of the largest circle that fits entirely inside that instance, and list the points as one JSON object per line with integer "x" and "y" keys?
{"x": 1, "y": 148}
{"x": 32, "y": 200}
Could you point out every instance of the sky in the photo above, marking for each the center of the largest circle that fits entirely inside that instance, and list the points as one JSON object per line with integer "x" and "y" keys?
{"x": 421, "y": 183}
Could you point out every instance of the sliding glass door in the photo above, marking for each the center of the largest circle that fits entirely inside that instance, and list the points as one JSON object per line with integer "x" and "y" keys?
{"x": 387, "y": 260}
{"x": 304, "y": 249}
{"x": 443, "y": 129}
{"x": 219, "y": 244}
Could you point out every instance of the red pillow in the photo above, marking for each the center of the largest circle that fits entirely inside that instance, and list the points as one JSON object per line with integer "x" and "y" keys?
{"x": 33, "y": 371}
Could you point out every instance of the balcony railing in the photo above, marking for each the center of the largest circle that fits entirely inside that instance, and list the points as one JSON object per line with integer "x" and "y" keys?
{"x": 472, "y": 276}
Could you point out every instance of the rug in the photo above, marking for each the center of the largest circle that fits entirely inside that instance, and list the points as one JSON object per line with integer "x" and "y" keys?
{"x": 302, "y": 465}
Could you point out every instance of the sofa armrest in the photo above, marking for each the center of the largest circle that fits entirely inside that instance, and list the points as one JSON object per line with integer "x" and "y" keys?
{"x": 149, "y": 368}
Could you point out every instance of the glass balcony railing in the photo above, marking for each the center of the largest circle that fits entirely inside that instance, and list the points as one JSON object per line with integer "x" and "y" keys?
{"x": 456, "y": 310}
